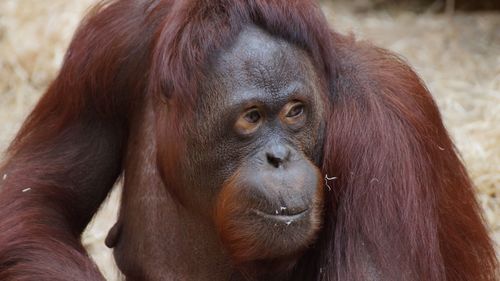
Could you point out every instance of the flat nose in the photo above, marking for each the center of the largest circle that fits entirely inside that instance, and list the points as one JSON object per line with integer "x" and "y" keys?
{"x": 277, "y": 155}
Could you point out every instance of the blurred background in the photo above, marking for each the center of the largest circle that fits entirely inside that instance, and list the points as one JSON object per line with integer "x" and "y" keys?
{"x": 453, "y": 44}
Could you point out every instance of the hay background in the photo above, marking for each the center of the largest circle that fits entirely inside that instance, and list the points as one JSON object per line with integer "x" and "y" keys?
{"x": 458, "y": 57}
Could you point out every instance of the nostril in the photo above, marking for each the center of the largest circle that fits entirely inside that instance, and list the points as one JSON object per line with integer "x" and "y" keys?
{"x": 273, "y": 160}
{"x": 277, "y": 154}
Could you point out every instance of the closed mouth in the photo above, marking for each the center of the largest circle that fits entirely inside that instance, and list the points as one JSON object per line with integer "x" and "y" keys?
{"x": 280, "y": 216}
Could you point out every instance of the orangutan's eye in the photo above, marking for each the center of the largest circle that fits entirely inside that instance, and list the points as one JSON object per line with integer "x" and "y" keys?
{"x": 252, "y": 116}
{"x": 295, "y": 110}
{"x": 249, "y": 121}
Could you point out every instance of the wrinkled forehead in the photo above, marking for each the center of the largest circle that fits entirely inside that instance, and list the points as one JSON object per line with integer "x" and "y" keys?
{"x": 260, "y": 57}
{"x": 259, "y": 61}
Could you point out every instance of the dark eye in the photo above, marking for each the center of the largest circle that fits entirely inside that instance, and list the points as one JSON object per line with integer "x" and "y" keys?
{"x": 252, "y": 116}
{"x": 295, "y": 110}
{"x": 249, "y": 121}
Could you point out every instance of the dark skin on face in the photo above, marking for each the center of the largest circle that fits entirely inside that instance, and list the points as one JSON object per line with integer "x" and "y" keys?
{"x": 252, "y": 150}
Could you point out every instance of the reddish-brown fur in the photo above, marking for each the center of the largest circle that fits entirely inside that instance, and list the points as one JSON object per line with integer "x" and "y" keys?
{"x": 402, "y": 202}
